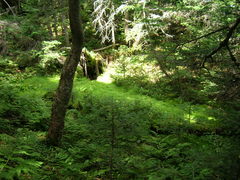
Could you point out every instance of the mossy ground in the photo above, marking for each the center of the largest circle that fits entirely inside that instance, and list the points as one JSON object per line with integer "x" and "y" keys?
{"x": 153, "y": 139}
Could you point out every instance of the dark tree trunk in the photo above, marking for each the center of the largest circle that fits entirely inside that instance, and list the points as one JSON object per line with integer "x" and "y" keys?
{"x": 66, "y": 81}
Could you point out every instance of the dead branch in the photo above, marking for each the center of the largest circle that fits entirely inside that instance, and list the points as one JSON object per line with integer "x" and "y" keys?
{"x": 106, "y": 47}
{"x": 233, "y": 58}
{"x": 9, "y": 7}
{"x": 224, "y": 43}
{"x": 205, "y": 35}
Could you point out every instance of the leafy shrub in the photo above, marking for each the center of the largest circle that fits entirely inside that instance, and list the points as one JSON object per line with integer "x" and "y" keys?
{"x": 7, "y": 66}
{"x": 26, "y": 59}
{"x": 112, "y": 138}
{"x": 49, "y": 56}
{"x": 185, "y": 156}
{"x": 111, "y": 135}
{"x": 22, "y": 111}
{"x": 18, "y": 160}
{"x": 109, "y": 128}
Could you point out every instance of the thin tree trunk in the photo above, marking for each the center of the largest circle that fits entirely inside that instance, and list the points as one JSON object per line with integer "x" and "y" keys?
{"x": 55, "y": 25}
{"x": 113, "y": 139}
{"x": 49, "y": 29}
{"x": 64, "y": 24}
{"x": 62, "y": 97}
{"x": 97, "y": 67}
{"x": 126, "y": 18}
{"x": 64, "y": 29}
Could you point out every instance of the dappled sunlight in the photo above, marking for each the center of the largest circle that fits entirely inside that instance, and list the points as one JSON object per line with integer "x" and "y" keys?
{"x": 149, "y": 89}
{"x": 38, "y": 86}
{"x": 53, "y": 79}
{"x": 106, "y": 77}
{"x": 198, "y": 117}
{"x": 212, "y": 118}
{"x": 169, "y": 112}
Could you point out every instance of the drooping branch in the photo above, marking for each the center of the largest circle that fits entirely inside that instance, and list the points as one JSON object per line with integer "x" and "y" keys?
{"x": 233, "y": 58}
{"x": 196, "y": 39}
{"x": 104, "y": 19}
{"x": 230, "y": 32}
{"x": 205, "y": 35}
{"x": 106, "y": 47}
{"x": 225, "y": 42}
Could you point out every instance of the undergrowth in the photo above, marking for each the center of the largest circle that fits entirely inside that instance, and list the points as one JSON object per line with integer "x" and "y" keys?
{"x": 111, "y": 133}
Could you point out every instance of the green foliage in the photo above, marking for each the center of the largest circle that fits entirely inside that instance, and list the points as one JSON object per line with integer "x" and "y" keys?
{"x": 18, "y": 158}
{"x": 188, "y": 156}
{"x": 26, "y": 59}
{"x": 110, "y": 132}
{"x": 49, "y": 56}
{"x": 173, "y": 115}
{"x": 180, "y": 156}
{"x": 91, "y": 64}
{"x": 20, "y": 111}
{"x": 7, "y": 67}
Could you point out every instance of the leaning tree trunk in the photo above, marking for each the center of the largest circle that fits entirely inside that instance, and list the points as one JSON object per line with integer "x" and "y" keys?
{"x": 66, "y": 81}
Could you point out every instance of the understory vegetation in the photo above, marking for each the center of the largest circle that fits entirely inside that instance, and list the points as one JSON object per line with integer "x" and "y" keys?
{"x": 112, "y": 132}
{"x": 156, "y": 94}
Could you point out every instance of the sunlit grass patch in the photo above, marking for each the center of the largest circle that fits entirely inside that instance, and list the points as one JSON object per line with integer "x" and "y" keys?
{"x": 39, "y": 85}
{"x": 161, "y": 113}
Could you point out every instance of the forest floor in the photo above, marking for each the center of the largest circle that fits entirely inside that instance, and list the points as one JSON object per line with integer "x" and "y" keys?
{"x": 111, "y": 132}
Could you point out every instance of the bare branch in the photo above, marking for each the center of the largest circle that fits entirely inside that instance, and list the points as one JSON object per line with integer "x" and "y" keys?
{"x": 104, "y": 22}
{"x": 106, "y": 47}
{"x": 224, "y": 43}
{"x": 9, "y": 7}
{"x": 232, "y": 56}
{"x": 205, "y": 35}
{"x": 196, "y": 39}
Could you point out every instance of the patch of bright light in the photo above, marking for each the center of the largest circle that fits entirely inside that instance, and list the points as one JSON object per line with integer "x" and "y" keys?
{"x": 105, "y": 78}
{"x": 211, "y": 118}
{"x": 190, "y": 119}
{"x": 54, "y": 78}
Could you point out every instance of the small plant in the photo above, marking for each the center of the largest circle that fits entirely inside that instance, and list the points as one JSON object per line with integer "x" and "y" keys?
{"x": 17, "y": 160}
{"x": 20, "y": 111}
{"x": 49, "y": 56}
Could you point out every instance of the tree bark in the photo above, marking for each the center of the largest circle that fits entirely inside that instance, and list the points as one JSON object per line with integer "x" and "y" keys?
{"x": 55, "y": 25}
{"x": 64, "y": 29}
{"x": 64, "y": 89}
{"x": 48, "y": 24}
{"x": 64, "y": 16}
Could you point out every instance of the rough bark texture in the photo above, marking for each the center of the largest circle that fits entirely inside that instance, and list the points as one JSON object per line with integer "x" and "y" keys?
{"x": 66, "y": 81}
{"x": 65, "y": 30}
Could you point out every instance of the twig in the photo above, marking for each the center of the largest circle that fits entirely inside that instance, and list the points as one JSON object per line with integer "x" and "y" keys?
{"x": 9, "y": 7}
{"x": 205, "y": 35}
{"x": 224, "y": 43}
{"x": 195, "y": 39}
{"x": 232, "y": 56}
{"x": 107, "y": 47}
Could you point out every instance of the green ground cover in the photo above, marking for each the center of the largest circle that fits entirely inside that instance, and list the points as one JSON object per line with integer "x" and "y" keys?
{"x": 111, "y": 132}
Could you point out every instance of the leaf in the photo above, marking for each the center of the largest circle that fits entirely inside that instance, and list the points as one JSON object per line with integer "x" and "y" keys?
{"x": 22, "y": 152}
